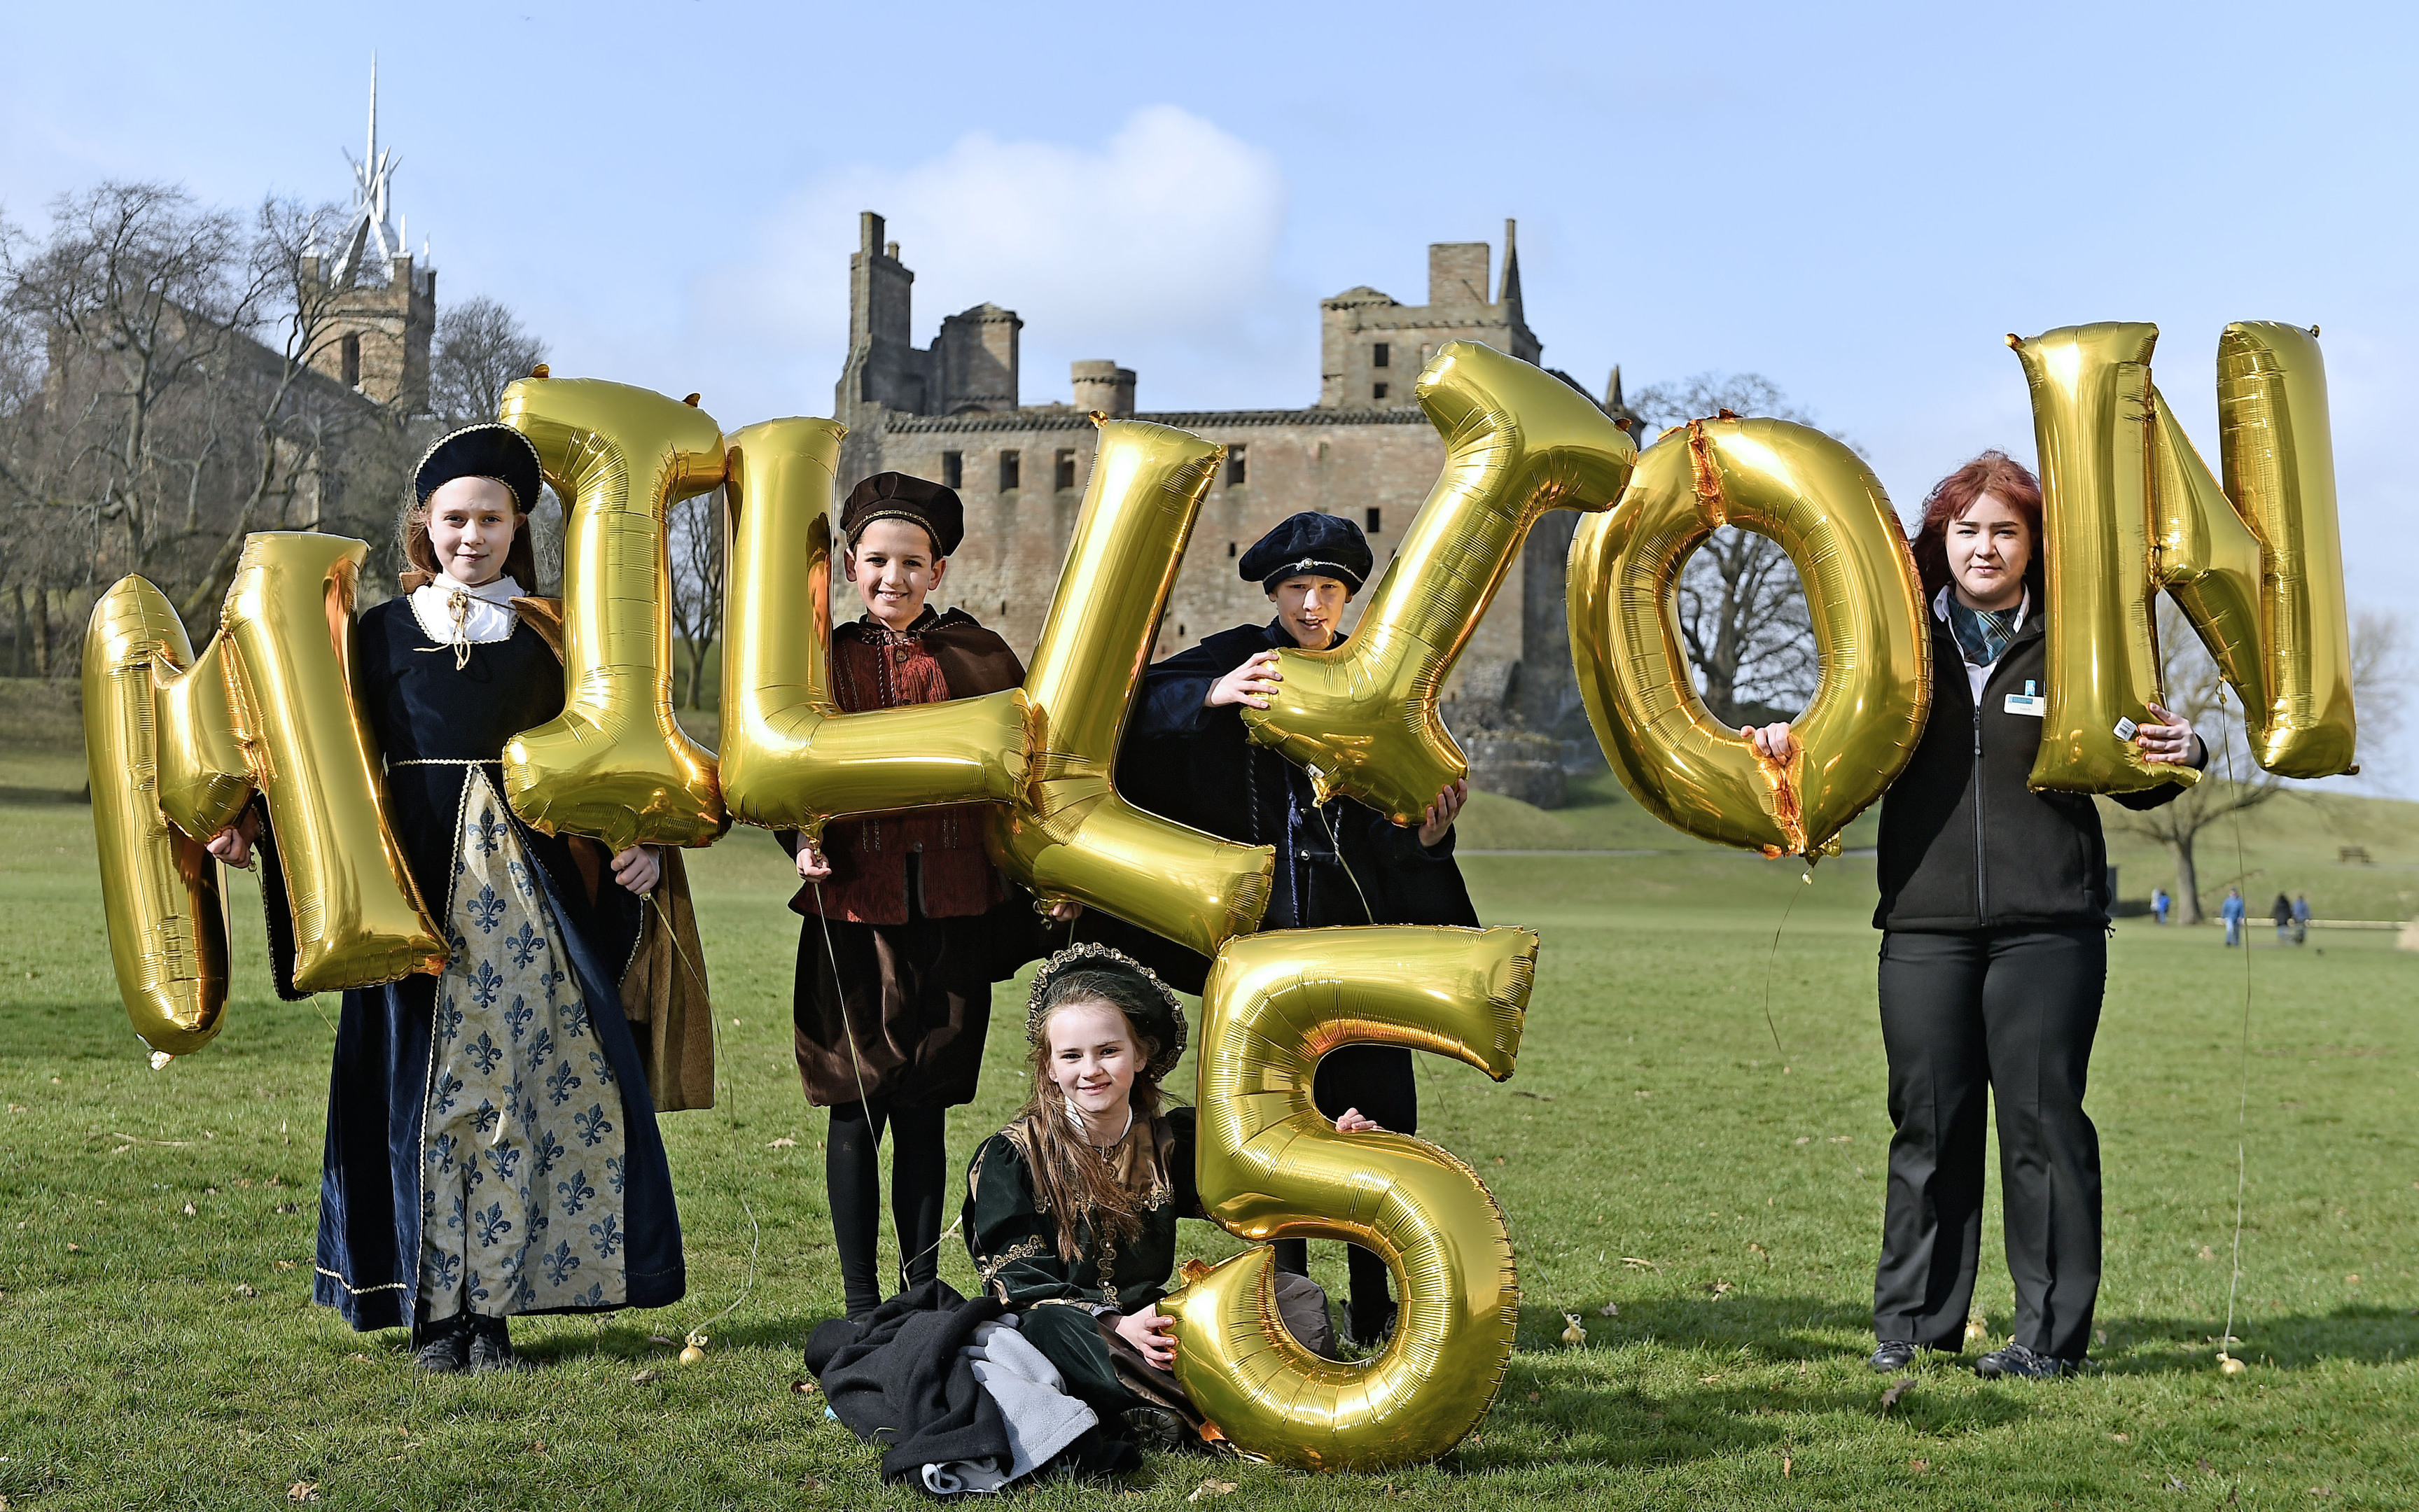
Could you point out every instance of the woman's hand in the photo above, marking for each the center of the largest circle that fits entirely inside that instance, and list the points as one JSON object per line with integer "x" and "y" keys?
{"x": 1152, "y": 1334}
{"x": 2170, "y": 740}
{"x": 1354, "y": 1122}
{"x": 1252, "y": 683}
{"x": 814, "y": 866}
{"x": 233, "y": 844}
{"x": 1437, "y": 822}
{"x": 1773, "y": 741}
{"x": 1065, "y": 911}
{"x": 638, "y": 869}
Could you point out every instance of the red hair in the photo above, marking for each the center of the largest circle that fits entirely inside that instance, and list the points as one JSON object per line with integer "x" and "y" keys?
{"x": 1997, "y": 474}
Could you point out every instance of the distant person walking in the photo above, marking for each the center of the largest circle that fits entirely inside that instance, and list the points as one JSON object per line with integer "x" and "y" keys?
{"x": 1995, "y": 953}
{"x": 2282, "y": 912}
{"x": 2160, "y": 903}
{"x": 2232, "y": 911}
{"x": 2301, "y": 917}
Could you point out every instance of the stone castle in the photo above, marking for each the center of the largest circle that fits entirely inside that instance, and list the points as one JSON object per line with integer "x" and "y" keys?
{"x": 952, "y": 411}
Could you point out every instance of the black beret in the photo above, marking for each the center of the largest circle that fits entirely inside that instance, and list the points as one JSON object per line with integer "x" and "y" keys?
{"x": 490, "y": 450}
{"x": 897, "y": 496}
{"x": 1310, "y": 545}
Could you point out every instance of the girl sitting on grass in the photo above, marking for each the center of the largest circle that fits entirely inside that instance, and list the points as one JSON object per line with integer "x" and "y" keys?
{"x": 1070, "y": 1210}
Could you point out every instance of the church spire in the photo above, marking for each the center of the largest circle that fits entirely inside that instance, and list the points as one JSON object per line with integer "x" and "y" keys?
{"x": 1509, "y": 294}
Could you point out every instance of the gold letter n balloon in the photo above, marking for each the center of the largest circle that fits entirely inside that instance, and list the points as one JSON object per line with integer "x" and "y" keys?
{"x": 1809, "y": 492}
{"x": 2256, "y": 566}
{"x": 1271, "y": 1167}
{"x": 178, "y": 744}
{"x": 615, "y": 764}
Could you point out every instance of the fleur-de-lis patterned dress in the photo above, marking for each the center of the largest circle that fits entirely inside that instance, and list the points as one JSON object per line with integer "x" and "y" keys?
{"x": 492, "y": 1147}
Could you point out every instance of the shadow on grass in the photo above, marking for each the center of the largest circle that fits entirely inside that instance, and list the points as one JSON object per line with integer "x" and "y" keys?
{"x": 2290, "y": 1341}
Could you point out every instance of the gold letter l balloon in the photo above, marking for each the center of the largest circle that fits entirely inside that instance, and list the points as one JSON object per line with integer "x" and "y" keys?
{"x": 1271, "y": 1167}
{"x": 1811, "y": 494}
{"x": 1361, "y": 719}
{"x": 615, "y": 764}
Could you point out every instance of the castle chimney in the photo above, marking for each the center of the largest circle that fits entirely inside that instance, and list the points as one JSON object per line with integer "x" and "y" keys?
{"x": 1458, "y": 271}
{"x": 1102, "y": 385}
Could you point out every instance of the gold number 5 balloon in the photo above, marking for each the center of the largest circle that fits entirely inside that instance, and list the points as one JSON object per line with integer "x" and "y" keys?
{"x": 1271, "y": 1167}
{"x": 1811, "y": 494}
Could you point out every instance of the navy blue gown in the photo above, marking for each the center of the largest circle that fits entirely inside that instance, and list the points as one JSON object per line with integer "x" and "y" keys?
{"x": 491, "y": 1146}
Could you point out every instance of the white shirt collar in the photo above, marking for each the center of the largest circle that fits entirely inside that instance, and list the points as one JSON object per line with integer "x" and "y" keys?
{"x": 487, "y": 618}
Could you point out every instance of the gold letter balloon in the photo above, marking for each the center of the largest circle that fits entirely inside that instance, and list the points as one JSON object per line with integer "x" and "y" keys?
{"x": 268, "y": 705}
{"x": 1271, "y": 1167}
{"x": 1809, "y": 492}
{"x": 789, "y": 758}
{"x": 615, "y": 764}
{"x": 1361, "y": 719}
{"x": 2128, "y": 508}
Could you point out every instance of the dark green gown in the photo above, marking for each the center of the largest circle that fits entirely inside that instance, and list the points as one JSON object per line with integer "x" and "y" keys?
{"x": 1068, "y": 1309}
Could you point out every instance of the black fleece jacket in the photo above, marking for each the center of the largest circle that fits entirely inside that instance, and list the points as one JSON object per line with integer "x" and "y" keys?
{"x": 1966, "y": 844}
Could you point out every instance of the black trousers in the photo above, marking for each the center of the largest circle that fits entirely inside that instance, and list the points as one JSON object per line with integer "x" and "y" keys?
{"x": 2012, "y": 1010}
{"x": 1377, "y": 1079}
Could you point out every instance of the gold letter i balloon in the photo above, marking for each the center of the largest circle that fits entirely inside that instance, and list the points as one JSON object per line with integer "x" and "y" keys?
{"x": 1809, "y": 492}
{"x": 1271, "y": 1167}
{"x": 1361, "y": 719}
{"x": 615, "y": 764}
{"x": 2128, "y": 508}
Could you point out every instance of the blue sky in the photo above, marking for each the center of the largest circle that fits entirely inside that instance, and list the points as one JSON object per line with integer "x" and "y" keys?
{"x": 1857, "y": 201}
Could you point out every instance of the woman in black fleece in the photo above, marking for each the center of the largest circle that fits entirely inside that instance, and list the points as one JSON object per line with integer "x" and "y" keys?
{"x": 1995, "y": 953}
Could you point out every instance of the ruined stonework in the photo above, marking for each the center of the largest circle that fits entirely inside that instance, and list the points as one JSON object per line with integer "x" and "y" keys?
{"x": 1365, "y": 450}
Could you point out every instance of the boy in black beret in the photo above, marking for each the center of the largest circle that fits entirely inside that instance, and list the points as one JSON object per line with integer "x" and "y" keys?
{"x": 890, "y": 1024}
{"x": 1189, "y": 758}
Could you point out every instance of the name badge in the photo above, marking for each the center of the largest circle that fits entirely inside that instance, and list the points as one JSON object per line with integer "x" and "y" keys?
{"x": 2029, "y": 702}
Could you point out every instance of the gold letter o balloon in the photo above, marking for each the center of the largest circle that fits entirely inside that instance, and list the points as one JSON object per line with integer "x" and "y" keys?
{"x": 1809, "y": 492}
{"x": 1271, "y": 1167}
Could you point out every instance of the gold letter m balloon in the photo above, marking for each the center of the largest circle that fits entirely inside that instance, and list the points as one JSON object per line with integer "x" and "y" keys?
{"x": 1271, "y": 1167}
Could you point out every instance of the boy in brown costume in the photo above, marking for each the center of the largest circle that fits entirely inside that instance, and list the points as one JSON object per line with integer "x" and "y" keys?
{"x": 891, "y": 1015}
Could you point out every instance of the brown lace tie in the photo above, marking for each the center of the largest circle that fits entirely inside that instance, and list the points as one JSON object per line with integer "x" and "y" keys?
{"x": 460, "y": 606}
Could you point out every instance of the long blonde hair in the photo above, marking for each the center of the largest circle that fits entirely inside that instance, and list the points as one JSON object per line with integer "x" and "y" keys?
{"x": 1070, "y": 1182}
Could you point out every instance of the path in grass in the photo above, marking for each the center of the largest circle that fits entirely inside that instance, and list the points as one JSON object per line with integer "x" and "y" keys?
{"x": 1654, "y": 1154}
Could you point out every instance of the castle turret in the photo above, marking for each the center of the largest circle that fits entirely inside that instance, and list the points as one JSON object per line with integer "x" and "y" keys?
{"x": 1105, "y": 386}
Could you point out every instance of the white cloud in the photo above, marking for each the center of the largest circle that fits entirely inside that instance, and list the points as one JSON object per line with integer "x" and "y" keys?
{"x": 1157, "y": 242}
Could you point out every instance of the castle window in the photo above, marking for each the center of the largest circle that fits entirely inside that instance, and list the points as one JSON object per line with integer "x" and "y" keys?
{"x": 1373, "y": 520}
{"x": 350, "y": 350}
{"x": 1066, "y": 467}
{"x": 1235, "y": 469}
{"x": 1011, "y": 471}
{"x": 1231, "y": 549}
{"x": 1378, "y": 358}
{"x": 1380, "y": 392}
{"x": 953, "y": 470}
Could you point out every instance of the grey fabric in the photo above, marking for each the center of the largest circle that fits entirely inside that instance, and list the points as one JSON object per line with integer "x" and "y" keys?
{"x": 1031, "y": 1394}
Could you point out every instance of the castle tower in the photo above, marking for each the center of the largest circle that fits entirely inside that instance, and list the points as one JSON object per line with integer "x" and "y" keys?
{"x": 380, "y": 302}
{"x": 1372, "y": 348}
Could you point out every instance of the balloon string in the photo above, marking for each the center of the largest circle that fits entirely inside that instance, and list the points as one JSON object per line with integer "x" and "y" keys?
{"x": 1771, "y": 957}
{"x": 721, "y": 1072}
{"x": 2242, "y": 1091}
{"x": 847, "y": 1031}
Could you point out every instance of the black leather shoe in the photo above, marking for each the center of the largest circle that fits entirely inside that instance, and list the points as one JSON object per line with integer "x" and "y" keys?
{"x": 2022, "y": 1364}
{"x": 1154, "y": 1429}
{"x": 492, "y": 1347}
{"x": 1893, "y": 1356}
{"x": 441, "y": 1349}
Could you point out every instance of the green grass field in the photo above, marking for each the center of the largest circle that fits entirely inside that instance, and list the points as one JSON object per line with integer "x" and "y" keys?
{"x": 1655, "y": 1154}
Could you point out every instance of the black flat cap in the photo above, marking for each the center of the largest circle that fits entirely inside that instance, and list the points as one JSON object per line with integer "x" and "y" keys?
{"x": 490, "y": 450}
{"x": 1310, "y": 545}
{"x": 897, "y": 496}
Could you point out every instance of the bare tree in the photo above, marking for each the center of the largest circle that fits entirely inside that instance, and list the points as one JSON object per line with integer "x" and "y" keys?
{"x": 2232, "y": 782}
{"x": 481, "y": 348}
{"x": 695, "y": 540}
{"x": 1743, "y": 612}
